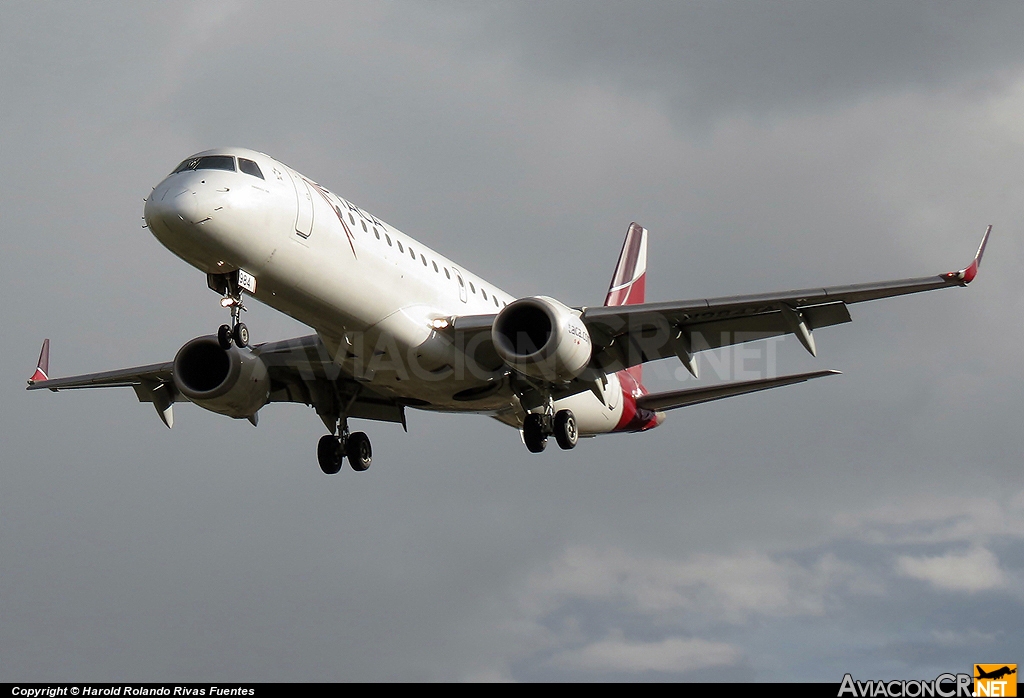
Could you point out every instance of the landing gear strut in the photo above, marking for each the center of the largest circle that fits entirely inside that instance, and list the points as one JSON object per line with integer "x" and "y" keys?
{"x": 538, "y": 427}
{"x": 331, "y": 451}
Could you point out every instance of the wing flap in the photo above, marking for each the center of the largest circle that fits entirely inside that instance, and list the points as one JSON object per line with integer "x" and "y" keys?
{"x": 719, "y": 333}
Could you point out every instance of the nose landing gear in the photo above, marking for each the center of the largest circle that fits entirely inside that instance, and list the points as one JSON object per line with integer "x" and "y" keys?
{"x": 239, "y": 335}
{"x": 236, "y": 333}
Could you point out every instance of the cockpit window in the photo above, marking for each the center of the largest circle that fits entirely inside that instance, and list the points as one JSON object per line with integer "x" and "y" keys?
{"x": 251, "y": 168}
{"x": 208, "y": 162}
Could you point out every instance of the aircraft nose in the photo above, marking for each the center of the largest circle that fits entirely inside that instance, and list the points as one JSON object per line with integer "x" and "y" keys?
{"x": 171, "y": 207}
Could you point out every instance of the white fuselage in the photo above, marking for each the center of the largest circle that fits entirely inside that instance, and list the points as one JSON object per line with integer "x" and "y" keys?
{"x": 375, "y": 296}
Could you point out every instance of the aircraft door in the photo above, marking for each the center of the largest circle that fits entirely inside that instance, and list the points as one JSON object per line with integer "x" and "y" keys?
{"x": 304, "y": 210}
{"x": 462, "y": 285}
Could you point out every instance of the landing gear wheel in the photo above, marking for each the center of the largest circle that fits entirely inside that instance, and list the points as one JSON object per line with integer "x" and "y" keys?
{"x": 329, "y": 454}
{"x": 359, "y": 452}
{"x": 566, "y": 433}
{"x": 224, "y": 337}
{"x": 241, "y": 335}
{"x": 533, "y": 433}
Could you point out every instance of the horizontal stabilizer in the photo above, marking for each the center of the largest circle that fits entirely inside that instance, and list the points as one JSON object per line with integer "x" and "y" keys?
{"x": 693, "y": 396}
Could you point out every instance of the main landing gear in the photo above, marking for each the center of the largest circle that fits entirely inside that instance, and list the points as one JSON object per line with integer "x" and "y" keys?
{"x": 538, "y": 427}
{"x": 331, "y": 451}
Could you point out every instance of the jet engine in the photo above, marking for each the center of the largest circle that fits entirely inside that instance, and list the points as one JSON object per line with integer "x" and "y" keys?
{"x": 233, "y": 382}
{"x": 541, "y": 338}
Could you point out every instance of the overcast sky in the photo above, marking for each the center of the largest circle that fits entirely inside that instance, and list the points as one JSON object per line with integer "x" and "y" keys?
{"x": 870, "y": 523}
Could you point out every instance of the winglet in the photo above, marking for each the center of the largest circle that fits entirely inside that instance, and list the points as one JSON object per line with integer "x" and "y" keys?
{"x": 43, "y": 365}
{"x": 966, "y": 275}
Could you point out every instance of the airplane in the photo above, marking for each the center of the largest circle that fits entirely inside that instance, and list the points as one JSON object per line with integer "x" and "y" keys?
{"x": 995, "y": 674}
{"x": 398, "y": 325}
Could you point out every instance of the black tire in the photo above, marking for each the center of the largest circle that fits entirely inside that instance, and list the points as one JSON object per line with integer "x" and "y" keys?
{"x": 224, "y": 337}
{"x": 329, "y": 454}
{"x": 533, "y": 433}
{"x": 566, "y": 433}
{"x": 360, "y": 454}
{"x": 241, "y": 334}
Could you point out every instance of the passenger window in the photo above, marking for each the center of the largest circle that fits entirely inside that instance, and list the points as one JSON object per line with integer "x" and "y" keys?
{"x": 423, "y": 259}
{"x": 472, "y": 287}
{"x": 251, "y": 168}
{"x": 483, "y": 292}
{"x": 447, "y": 275}
{"x": 208, "y": 162}
{"x": 412, "y": 254}
{"x": 364, "y": 226}
{"x": 388, "y": 238}
{"x": 400, "y": 248}
{"x": 376, "y": 233}
{"x": 495, "y": 298}
{"x": 351, "y": 218}
{"x": 435, "y": 267}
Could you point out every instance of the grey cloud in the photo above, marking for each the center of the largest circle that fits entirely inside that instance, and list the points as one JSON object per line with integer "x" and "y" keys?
{"x": 709, "y": 59}
{"x": 715, "y": 608}
{"x": 672, "y": 655}
{"x": 975, "y": 570}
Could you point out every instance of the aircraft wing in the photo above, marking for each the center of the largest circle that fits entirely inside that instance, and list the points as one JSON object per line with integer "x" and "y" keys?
{"x": 627, "y": 335}
{"x": 121, "y": 378}
{"x": 300, "y": 370}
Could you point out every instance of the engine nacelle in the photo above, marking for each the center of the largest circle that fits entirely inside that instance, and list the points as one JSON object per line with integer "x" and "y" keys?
{"x": 232, "y": 382}
{"x": 542, "y": 338}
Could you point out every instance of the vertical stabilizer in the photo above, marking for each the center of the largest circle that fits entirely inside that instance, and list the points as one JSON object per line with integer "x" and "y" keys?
{"x": 627, "y": 288}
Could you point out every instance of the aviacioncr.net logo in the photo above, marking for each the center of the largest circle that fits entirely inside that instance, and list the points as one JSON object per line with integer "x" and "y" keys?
{"x": 942, "y": 686}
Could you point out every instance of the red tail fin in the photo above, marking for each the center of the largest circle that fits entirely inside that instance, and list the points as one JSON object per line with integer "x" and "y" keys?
{"x": 628, "y": 286}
